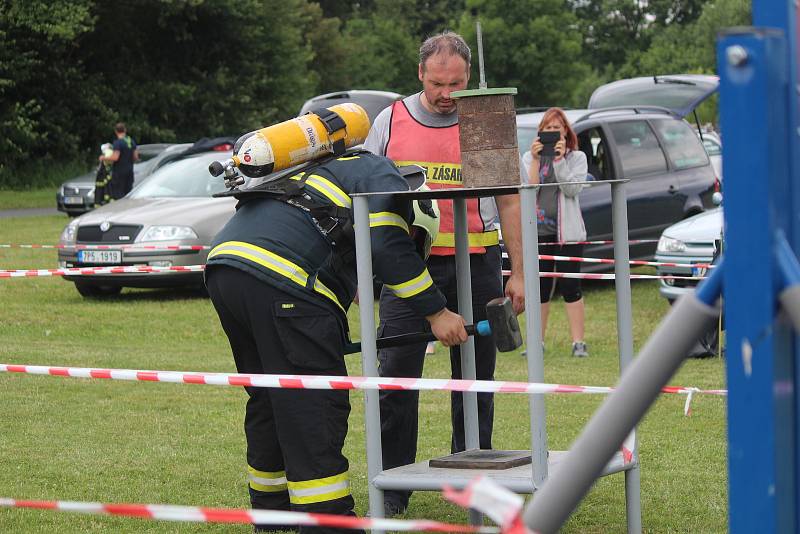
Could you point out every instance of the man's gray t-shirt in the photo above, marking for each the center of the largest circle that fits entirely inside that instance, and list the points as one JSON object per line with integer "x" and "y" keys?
{"x": 379, "y": 133}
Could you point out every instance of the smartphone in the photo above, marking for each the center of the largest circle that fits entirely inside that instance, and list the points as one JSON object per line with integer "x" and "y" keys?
{"x": 549, "y": 140}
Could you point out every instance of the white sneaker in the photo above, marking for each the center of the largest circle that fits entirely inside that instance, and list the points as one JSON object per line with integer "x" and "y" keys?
{"x": 579, "y": 349}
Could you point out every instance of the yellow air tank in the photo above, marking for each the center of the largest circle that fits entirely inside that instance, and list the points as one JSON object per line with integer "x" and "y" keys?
{"x": 313, "y": 135}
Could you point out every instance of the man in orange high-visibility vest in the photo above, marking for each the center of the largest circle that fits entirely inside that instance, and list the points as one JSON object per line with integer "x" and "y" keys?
{"x": 423, "y": 129}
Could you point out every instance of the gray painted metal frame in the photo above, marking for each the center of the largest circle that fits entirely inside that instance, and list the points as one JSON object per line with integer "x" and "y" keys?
{"x": 523, "y": 479}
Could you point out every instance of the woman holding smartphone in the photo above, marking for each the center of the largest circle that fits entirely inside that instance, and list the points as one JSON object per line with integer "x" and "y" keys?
{"x": 554, "y": 158}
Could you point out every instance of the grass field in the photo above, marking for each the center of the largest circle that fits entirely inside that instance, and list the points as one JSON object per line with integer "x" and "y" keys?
{"x": 36, "y": 198}
{"x": 112, "y": 441}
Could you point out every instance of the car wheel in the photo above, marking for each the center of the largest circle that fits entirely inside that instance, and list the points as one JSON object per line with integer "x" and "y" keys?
{"x": 707, "y": 345}
{"x": 93, "y": 291}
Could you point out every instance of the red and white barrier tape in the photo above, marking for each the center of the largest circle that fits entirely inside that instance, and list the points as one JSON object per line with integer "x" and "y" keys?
{"x": 630, "y": 242}
{"x": 488, "y": 497}
{"x": 325, "y": 382}
{"x": 609, "y": 261}
{"x": 117, "y": 269}
{"x": 228, "y": 515}
{"x": 205, "y": 247}
{"x": 605, "y": 276}
{"x": 631, "y": 262}
{"x": 110, "y": 247}
{"x": 127, "y": 269}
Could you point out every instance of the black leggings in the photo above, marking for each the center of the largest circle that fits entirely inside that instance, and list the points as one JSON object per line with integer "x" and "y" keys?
{"x": 570, "y": 288}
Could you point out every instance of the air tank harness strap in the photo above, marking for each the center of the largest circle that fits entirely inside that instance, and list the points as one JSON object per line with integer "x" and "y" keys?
{"x": 333, "y": 122}
{"x": 334, "y": 222}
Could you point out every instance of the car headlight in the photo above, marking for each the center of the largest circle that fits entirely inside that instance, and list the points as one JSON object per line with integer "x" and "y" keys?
{"x": 168, "y": 233}
{"x": 90, "y": 195}
{"x": 667, "y": 244}
{"x": 68, "y": 234}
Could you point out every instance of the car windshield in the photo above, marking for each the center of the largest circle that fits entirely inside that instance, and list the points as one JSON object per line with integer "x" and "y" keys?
{"x": 144, "y": 168}
{"x": 187, "y": 177}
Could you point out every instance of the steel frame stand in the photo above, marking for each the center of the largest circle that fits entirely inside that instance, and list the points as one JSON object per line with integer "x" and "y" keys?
{"x": 522, "y": 479}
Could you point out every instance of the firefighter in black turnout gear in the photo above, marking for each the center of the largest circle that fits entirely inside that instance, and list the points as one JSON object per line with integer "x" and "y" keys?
{"x": 281, "y": 275}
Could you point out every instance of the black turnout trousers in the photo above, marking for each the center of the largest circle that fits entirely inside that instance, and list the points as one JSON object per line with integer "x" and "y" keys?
{"x": 399, "y": 409}
{"x": 294, "y": 437}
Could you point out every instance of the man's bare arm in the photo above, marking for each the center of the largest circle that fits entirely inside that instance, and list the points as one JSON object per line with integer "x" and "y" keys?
{"x": 510, "y": 223}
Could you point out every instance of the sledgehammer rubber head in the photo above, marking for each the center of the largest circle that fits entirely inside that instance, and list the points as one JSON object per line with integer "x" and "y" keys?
{"x": 504, "y": 324}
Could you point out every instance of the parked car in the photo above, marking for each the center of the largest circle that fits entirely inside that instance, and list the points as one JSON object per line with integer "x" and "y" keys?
{"x": 671, "y": 177}
{"x": 172, "y": 207}
{"x": 373, "y": 102}
{"x": 693, "y": 241}
{"x": 76, "y": 195}
{"x": 679, "y": 93}
{"x": 697, "y": 241}
{"x": 713, "y": 145}
{"x": 630, "y": 137}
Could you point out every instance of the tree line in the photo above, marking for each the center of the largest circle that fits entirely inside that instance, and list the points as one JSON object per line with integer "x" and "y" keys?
{"x": 178, "y": 70}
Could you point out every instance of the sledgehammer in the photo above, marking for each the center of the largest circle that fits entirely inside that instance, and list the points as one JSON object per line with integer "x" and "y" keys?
{"x": 501, "y": 324}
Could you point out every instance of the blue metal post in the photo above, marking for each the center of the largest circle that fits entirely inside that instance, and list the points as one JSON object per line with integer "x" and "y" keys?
{"x": 754, "y": 116}
{"x": 783, "y": 14}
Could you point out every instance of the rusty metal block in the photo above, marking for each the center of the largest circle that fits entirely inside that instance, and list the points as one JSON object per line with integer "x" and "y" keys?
{"x": 488, "y": 137}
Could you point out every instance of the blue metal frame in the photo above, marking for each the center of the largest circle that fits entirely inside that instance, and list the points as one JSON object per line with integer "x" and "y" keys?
{"x": 758, "y": 116}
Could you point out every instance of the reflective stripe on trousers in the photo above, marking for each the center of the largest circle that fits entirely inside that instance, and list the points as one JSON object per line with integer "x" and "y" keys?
{"x": 320, "y": 489}
{"x": 266, "y": 481}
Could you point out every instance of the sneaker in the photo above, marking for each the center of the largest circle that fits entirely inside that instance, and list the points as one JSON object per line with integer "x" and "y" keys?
{"x": 391, "y": 509}
{"x": 579, "y": 349}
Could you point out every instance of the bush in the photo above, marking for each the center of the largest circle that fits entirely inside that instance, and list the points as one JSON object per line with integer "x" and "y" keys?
{"x": 41, "y": 174}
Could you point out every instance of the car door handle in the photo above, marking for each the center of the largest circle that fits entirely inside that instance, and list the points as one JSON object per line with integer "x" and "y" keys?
{"x": 672, "y": 189}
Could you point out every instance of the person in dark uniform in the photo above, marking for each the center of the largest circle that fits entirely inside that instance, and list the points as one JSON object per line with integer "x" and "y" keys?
{"x": 124, "y": 155}
{"x": 281, "y": 275}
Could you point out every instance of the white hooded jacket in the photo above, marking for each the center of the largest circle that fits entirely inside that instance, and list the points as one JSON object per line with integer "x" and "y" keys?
{"x": 570, "y": 168}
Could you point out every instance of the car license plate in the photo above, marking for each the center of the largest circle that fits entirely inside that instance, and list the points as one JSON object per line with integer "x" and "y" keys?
{"x": 699, "y": 271}
{"x": 73, "y": 200}
{"x": 100, "y": 256}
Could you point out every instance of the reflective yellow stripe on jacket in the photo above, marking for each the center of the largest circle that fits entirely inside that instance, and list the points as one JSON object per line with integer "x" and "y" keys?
{"x": 327, "y": 188}
{"x": 274, "y": 263}
{"x": 485, "y": 239}
{"x": 387, "y": 218}
{"x": 320, "y": 489}
{"x": 413, "y": 287}
{"x": 266, "y": 481}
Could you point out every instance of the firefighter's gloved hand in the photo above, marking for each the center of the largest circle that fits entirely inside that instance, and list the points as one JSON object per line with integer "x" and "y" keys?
{"x": 448, "y": 327}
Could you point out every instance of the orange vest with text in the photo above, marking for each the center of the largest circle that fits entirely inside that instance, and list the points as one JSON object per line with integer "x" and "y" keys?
{"x": 438, "y": 151}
